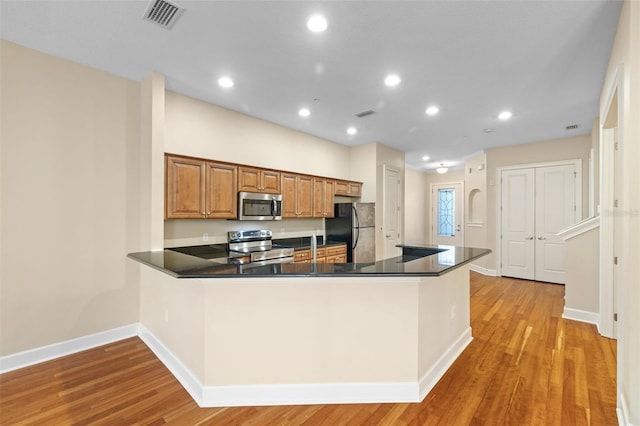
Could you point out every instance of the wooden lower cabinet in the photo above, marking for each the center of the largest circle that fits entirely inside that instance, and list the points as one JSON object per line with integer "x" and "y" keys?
{"x": 330, "y": 254}
{"x": 336, "y": 254}
{"x": 200, "y": 189}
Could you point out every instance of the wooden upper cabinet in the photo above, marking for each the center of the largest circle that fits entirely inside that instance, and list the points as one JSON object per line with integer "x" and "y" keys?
{"x": 253, "y": 179}
{"x": 221, "y": 185}
{"x": 199, "y": 189}
{"x": 348, "y": 189}
{"x": 323, "y": 194}
{"x": 184, "y": 188}
{"x": 297, "y": 196}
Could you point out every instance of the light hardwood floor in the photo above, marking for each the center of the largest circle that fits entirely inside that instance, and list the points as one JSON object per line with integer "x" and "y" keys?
{"x": 526, "y": 366}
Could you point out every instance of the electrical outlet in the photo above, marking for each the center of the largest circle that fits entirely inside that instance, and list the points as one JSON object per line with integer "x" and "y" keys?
{"x": 205, "y": 237}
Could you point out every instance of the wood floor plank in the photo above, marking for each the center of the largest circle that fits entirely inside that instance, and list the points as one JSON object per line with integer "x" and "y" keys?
{"x": 526, "y": 366}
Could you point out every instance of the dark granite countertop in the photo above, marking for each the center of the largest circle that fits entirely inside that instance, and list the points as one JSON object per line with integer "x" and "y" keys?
{"x": 214, "y": 251}
{"x": 417, "y": 260}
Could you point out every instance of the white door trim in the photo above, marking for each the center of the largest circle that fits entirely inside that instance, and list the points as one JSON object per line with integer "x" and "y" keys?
{"x": 606, "y": 209}
{"x": 577, "y": 163}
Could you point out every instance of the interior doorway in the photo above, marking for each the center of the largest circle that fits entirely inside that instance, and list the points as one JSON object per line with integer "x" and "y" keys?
{"x": 611, "y": 226}
{"x": 536, "y": 202}
{"x": 447, "y": 213}
{"x": 390, "y": 211}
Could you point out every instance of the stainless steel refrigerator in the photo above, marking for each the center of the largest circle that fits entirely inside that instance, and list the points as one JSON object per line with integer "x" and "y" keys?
{"x": 354, "y": 224}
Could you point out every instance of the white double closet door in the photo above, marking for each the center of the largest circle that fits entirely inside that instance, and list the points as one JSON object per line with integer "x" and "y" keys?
{"x": 537, "y": 203}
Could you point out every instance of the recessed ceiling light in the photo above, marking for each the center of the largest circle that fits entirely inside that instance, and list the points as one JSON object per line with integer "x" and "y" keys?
{"x": 317, "y": 24}
{"x": 505, "y": 115}
{"x": 432, "y": 110}
{"x": 392, "y": 80}
{"x": 225, "y": 82}
{"x": 488, "y": 130}
{"x": 304, "y": 112}
{"x": 352, "y": 130}
{"x": 425, "y": 158}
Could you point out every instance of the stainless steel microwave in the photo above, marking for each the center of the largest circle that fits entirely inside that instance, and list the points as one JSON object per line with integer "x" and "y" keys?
{"x": 254, "y": 206}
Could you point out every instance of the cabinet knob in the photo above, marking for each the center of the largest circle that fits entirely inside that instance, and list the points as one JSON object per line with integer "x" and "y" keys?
{"x": 541, "y": 238}
{"x": 203, "y": 213}
{"x": 208, "y": 213}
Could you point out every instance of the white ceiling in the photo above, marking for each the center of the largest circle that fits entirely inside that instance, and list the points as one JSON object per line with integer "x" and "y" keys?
{"x": 543, "y": 60}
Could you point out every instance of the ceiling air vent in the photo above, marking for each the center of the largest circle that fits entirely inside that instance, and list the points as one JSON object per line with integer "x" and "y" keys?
{"x": 163, "y": 13}
{"x": 572, "y": 127}
{"x": 364, "y": 113}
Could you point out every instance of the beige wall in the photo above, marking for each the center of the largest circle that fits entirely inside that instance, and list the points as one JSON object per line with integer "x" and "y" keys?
{"x": 70, "y": 200}
{"x": 539, "y": 152}
{"x": 199, "y": 129}
{"x": 475, "y": 181}
{"x": 625, "y": 54}
{"x": 582, "y": 272}
{"x": 307, "y": 331}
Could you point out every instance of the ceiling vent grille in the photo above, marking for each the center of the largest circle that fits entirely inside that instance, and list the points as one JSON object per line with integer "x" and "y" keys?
{"x": 163, "y": 13}
{"x": 572, "y": 127}
{"x": 364, "y": 113}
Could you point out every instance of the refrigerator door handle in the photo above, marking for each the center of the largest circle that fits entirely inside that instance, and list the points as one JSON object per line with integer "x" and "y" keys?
{"x": 355, "y": 214}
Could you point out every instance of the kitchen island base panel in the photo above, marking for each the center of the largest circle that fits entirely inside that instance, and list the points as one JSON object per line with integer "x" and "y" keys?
{"x": 305, "y": 341}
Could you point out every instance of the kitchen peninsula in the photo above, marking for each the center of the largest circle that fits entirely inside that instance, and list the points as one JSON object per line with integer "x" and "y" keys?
{"x": 309, "y": 333}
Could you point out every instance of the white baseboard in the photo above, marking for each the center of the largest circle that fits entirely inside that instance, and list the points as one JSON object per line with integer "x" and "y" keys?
{"x": 580, "y": 315}
{"x": 435, "y": 373}
{"x": 251, "y": 395}
{"x": 623, "y": 411}
{"x": 68, "y": 347}
{"x": 188, "y": 381}
{"x": 483, "y": 271}
{"x": 312, "y": 393}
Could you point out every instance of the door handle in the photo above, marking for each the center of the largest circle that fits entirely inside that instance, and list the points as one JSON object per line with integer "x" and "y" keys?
{"x": 542, "y": 238}
{"x": 458, "y": 229}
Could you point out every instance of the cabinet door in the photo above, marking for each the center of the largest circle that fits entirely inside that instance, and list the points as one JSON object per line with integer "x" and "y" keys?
{"x": 288, "y": 195}
{"x": 270, "y": 182}
{"x": 302, "y": 256}
{"x": 323, "y": 195}
{"x": 329, "y": 191}
{"x": 184, "y": 188}
{"x": 304, "y": 196}
{"x": 248, "y": 179}
{"x": 221, "y": 197}
{"x": 355, "y": 189}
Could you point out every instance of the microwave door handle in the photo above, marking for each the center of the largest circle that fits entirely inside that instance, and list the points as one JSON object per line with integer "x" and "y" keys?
{"x": 274, "y": 207}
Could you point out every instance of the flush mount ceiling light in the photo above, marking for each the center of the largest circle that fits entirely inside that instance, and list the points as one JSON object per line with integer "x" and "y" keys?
{"x": 317, "y": 23}
{"x": 352, "y": 130}
{"x": 442, "y": 169}
{"x": 392, "y": 80}
{"x": 425, "y": 158}
{"x": 432, "y": 110}
{"x": 304, "y": 112}
{"x": 225, "y": 82}
{"x": 505, "y": 115}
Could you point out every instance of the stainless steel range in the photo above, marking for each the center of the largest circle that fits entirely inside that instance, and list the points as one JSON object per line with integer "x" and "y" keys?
{"x": 258, "y": 245}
